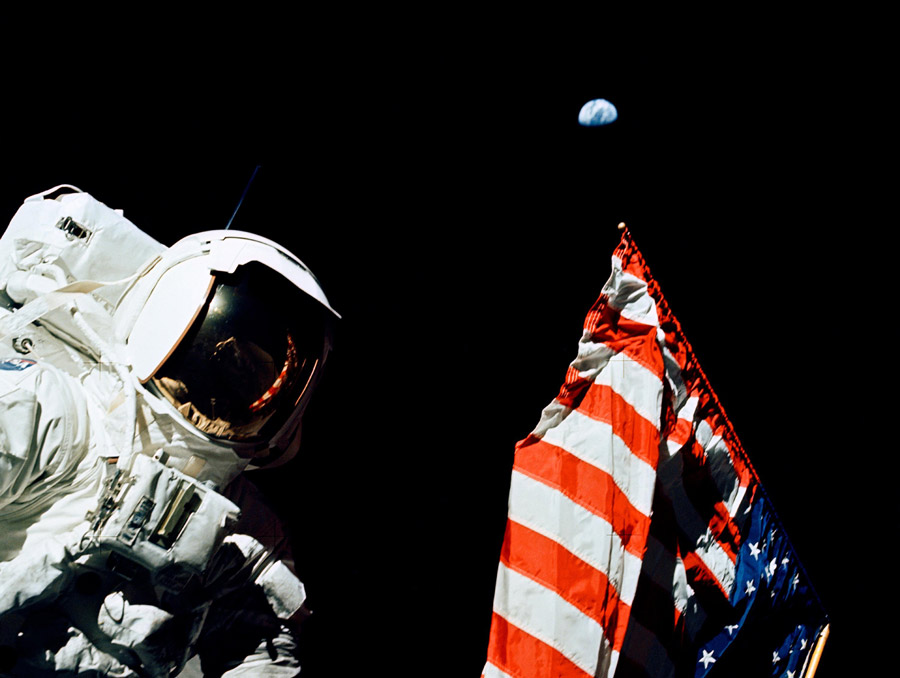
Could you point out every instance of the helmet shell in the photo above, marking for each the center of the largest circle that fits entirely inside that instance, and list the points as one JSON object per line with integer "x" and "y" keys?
{"x": 233, "y": 330}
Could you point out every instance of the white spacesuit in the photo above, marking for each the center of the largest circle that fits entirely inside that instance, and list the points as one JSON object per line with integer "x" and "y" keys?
{"x": 137, "y": 382}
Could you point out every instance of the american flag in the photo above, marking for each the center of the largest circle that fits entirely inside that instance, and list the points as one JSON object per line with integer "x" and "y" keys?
{"x": 639, "y": 540}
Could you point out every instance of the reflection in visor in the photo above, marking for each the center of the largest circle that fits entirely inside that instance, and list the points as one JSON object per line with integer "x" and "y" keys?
{"x": 250, "y": 359}
{"x": 290, "y": 364}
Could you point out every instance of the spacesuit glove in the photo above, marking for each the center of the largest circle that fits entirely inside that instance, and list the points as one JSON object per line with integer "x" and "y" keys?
{"x": 38, "y": 575}
{"x": 76, "y": 635}
{"x": 52, "y": 649}
{"x": 34, "y": 630}
{"x": 61, "y": 613}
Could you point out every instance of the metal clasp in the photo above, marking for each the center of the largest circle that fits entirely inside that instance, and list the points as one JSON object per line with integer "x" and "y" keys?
{"x": 74, "y": 230}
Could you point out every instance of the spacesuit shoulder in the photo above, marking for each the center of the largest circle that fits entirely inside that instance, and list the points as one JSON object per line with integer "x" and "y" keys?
{"x": 80, "y": 234}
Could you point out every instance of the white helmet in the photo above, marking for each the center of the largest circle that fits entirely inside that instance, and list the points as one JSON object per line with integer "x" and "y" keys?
{"x": 234, "y": 331}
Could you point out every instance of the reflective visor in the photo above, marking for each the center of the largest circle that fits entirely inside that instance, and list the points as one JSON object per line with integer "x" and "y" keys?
{"x": 250, "y": 358}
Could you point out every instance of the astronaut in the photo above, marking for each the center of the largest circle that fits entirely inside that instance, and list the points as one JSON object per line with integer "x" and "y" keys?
{"x": 137, "y": 382}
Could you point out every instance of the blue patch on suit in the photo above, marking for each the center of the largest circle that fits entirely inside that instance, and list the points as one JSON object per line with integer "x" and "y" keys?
{"x": 16, "y": 364}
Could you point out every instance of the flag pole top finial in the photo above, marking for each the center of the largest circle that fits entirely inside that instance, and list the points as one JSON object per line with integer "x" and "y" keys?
{"x": 622, "y": 226}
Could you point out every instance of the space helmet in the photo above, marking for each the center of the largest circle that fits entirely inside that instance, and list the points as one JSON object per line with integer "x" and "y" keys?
{"x": 233, "y": 331}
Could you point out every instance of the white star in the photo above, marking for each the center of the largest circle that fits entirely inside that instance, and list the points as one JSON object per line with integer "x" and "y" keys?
{"x": 790, "y": 674}
{"x": 775, "y": 657}
{"x": 731, "y": 629}
{"x": 803, "y": 643}
{"x": 754, "y": 550}
{"x": 795, "y": 581}
{"x": 785, "y": 562}
{"x": 772, "y": 567}
{"x": 750, "y": 587}
{"x": 707, "y": 659}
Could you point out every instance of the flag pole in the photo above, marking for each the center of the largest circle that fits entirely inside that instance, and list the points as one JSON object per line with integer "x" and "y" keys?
{"x": 817, "y": 652}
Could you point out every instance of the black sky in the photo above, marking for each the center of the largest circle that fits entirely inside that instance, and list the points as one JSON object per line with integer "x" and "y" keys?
{"x": 461, "y": 221}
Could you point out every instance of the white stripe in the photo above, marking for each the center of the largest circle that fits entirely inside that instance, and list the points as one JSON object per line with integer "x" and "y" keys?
{"x": 613, "y": 662}
{"x": 692, "y": 524}
{"x": 491, "y": 671}
{"x": 686, "y": 415}
{"x": 716, "y": 559}
{"x": 718, "y": 454}
{"x": 688, "y": 409}
{"x": 637, "y": 385}
{"x": 595, "y": 443}
{"x": 737, "y": 501}
{"x": 592, "y": 356}
{"x": 628, "y": 293}
{"x": 543, "y": 614}
{"x": 672, "y": 372}
{"x": 585, "y": 534}
{"x": 644, "y": 648}
{"x": 552, "y": 416}
{"x": 673, "y": 448}
{"x": 721, "y": 466}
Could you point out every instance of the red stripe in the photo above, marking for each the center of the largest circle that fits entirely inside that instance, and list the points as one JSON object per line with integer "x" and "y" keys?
{"x": 635, "y": 339}
{"x": 553, "y": 566}
{"x": 682, "y": 432}
{"x": 607, "y": 326}
{"x": 700, "y": 576}
{"x": 632, "y": 261}
{"x": 586, "y": 485}
{"x": 520, "y": 654}
{"x": 602, "y": 403}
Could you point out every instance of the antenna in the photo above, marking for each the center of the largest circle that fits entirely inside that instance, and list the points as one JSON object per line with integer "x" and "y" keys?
{"x": 243, "y": 195}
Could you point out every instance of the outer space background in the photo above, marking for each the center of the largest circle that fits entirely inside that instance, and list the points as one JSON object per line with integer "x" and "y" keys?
{"x": 461, "y": 221}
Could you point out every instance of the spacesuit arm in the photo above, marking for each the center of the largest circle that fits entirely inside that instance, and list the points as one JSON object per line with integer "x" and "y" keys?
{"x": 43, "y": 440}
{"x": 255, "y": 616}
